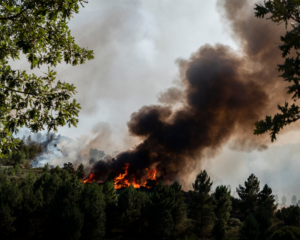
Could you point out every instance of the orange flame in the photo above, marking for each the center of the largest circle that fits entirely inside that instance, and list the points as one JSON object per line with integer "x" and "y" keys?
{"x": 90, "y": 179}
{"x": 121, "y": 180}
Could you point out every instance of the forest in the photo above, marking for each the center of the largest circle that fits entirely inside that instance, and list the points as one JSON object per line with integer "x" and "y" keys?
{"x": 43, "y": 203}
{"x": 59, "y": 203}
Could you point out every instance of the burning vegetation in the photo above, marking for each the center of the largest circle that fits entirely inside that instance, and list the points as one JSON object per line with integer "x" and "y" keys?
{"x": 125, "y": 180}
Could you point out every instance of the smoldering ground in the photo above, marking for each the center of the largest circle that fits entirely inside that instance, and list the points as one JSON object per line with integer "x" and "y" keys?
{"x": 220, "y": 96}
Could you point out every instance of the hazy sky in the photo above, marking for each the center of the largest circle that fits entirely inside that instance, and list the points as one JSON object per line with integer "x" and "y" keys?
{"x": 136, "y": 45}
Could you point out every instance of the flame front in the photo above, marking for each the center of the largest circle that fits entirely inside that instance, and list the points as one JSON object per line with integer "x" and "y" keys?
{"x": 122, "y": 181}
{"x": 90, "y": 179}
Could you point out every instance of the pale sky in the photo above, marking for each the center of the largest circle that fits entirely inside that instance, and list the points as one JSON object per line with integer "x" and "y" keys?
{"x": 136, "y": 44}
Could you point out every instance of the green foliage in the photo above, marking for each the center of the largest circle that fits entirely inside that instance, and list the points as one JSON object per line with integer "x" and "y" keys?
{"x": 294, "y": 200}
{"x": 46, "y": 168}
{"x": 21, "y": 154}
{"x": 250, "y": 229}
{"x": 17, "y": 168}
{"x": 234, "y": 222}
{"x": 218, "y": 230}
{"x": 158, "y": 212}
{"x": 131, "y": 203}
{"x": 290, "y": 215}
{"x": 223, "y": 206}
{"x": 80, "y": 171}
{"x": 179, "y": 208}
{"x": 222, "y": 211}
{"x": 69, "y": 167}
{"x": 249, "y": 194}
{"x": 286, "y": 233}
{"x": 267, "y": 200}
{"x": 111, "y": 199}
{"x": 201, "y": 209}
{"x": 39, "y": 29}
{"x": 58, "y": 200}
{"x": 283, "y": 12}
{"x": 93, "y": 206}
{"x": 263, "y": 218}
{"x": 11, "y": 172}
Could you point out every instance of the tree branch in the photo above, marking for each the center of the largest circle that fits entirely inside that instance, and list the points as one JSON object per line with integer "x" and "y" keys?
{"x": 12, "y": 90}
{"x": 12, "y": 17}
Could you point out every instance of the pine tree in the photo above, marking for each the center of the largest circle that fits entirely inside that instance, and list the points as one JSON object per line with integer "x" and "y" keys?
{"x": 263, "y": 218}
{"x": 276, "y": 199}
{"x": 286, "y": 233}
{"x": 110, "y": 193}
{"x": 158, "y": 212}
{"x": 179, "y": 209}
{"x": 267, "y": 200}
{"x": 111, "y": 199}
{"x": 250, "y": 229}
{"x": 283, "y": 200}
{"x": 222, "y": 211}
{"x": 294, "y": 200}
{"x": 249, "y": 194}
{"x": 72, "y": 221}
{"x": 93, "y": 208}
{"x": 223, "y": 206}
{"x": 80, "y": 171}
{"x": 130, "y": 206}
{"x": 46, "y": 168}
{"x": 201, "y": 209}
{"x": 292, "y": 216}
{"x": 10, "y": 200}
{"x": 64, "y": 212}
{"x": 218, "y": 230}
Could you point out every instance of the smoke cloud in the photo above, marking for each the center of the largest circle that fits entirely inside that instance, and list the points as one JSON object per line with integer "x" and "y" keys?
{"x": 221, "y": 95}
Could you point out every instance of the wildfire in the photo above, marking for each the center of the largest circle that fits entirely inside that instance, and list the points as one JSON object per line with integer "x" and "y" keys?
{"x": 90, "y": 179}
{"x": 122, "y": 181}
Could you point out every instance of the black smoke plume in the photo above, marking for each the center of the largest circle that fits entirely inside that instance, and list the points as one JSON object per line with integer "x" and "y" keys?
{"x": 221, "y": 95}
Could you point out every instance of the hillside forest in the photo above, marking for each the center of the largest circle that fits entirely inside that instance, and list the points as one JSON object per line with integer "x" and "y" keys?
{"x": 43, "y": 203}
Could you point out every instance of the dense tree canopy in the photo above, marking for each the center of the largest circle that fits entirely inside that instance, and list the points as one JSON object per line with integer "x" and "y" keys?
{"x": 39, "y": 30}
{"x": 282, "y": 12}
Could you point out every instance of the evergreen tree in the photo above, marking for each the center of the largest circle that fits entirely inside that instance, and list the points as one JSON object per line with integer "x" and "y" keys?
{"x": 10, "y": 200}
{"x": 93, "y": 208}
{"x": 69, "y": 167}
{"x": 286, "y": 233}
{"x": 276, "y": 199}
{"x": 222, "y": 211}
{"x": 292, "y": 216}
{"x": 250, "y": 229}
{"x": 80, "y": 171}
{"x": 263, "y": 218}
{"x": 46, "y": 168}
{"x": 64, "y": 213}
{"x": 179, "y": 209}
{"x": 158, "y": 212}
{"x": 294, "y": 200}
{"x": 283, "y": 200}
{"x": 267, "y": 200}
{"x": 249, "y": 194}
{"x": 223, "y": 206}
{"x": 111, "y": 199}
{"x": 218, "y": 230}
{"x": 201, "y": 209}
{"x": 130, "y": 206}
